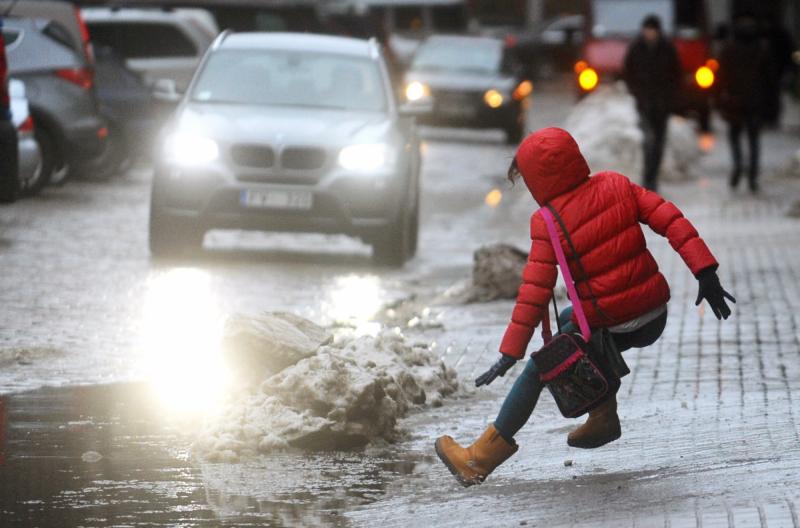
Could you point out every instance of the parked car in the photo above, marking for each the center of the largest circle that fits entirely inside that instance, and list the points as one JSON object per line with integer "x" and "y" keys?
{"x": 289, "y": 132}
{"x": 155, "y": 43}
{"x": 9, "y": 177}
{"x": 613, "y": 24}
{"x": 30, "y": 157}
{"x": 69, "y": 27}
{"x": 471, "y": 81}
{"x": 70, "y": 131}
{"x": 127, "y": 105}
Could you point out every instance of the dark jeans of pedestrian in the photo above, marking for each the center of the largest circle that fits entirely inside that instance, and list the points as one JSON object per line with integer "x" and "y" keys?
{"x": 654, "y": 128}
{"x": 750, "y": 123}
{"x": 521, "y": 400}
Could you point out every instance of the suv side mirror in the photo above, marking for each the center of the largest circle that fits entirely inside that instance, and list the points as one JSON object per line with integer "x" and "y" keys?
{"x": 166, "y": 90}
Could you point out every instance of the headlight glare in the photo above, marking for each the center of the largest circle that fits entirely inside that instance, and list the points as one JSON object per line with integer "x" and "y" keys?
{"x": 366, "y": 157}
{"x": 493, "y": 98}
{"x": 187, "y": 149}
{"x": 416, "y": 90}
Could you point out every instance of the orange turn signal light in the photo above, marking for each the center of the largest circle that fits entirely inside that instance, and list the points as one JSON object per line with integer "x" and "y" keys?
{"x": 522, "y": 91}
{"x": 580, "y": 66}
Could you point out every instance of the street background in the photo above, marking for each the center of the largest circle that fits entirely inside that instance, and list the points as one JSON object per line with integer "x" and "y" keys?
{"x": 709, "y": 414}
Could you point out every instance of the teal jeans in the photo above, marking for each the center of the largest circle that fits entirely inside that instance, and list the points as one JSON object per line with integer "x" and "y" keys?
{"x": 521, "y": 400}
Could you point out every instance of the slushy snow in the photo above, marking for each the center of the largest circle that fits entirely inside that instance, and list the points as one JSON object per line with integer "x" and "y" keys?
{"x": 345, "y": 393}
{"x": 606, "y": 126}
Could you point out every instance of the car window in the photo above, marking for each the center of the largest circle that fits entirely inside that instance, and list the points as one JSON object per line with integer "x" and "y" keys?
{"x": 10, "y": 37}
{"x": 449, "y": 17}
{"x": 408, "y": 18}
{"x": 459, "y": 55}
{"x": 290, "y": 78}
{"x": 139, "y": 40}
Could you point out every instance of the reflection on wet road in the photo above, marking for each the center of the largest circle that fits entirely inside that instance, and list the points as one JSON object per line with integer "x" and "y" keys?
{"x": 111, "y": 455}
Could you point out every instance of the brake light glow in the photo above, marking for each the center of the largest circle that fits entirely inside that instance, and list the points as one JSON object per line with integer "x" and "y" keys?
{"x": 704, "y": 77}
{"x": 580, "y": 66}
{"x": 82, "y": 77}
{"x": 588, "y": 79}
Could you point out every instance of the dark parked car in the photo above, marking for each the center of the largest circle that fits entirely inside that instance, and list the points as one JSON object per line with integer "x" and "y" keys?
{"x": 472, "y": 82}
{"x": 289, "y": 132}
{"x": 127, "y": 105}
{"x": 60, "y": 86}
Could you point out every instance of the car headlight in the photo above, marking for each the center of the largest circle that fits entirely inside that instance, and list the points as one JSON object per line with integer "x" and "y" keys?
{"x": 416, "y": 90}
{"x": 364, "y": 157}
{"x": 186, "y": 149}
{"x": 493, "y": 98}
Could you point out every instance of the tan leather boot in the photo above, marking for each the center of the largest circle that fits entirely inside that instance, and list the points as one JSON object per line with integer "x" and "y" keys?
{"x": 471, "y": 465}
{"x": 600, "y": 428}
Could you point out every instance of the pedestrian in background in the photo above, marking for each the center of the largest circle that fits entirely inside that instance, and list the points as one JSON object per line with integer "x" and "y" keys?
{"x": 743, "y": 84}
{"x": 781, "y": 46}
{"x": 619, "y": 285}
{"x": 652, "y": 72}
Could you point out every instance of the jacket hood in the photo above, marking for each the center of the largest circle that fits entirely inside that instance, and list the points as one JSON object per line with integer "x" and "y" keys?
{"x": 551, "y": 164}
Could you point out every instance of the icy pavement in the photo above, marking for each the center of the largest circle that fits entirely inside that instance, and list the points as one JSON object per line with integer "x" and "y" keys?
{"x": 710, "y": 428}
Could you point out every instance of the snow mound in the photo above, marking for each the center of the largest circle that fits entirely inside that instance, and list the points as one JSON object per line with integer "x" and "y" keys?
{"x": 346, "y": 394}
{"x": 606, "y": 126}
{"x": 496, "y": 274}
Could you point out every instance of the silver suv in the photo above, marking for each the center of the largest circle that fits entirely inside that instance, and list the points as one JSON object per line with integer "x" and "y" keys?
{"x": 289, "y": 132}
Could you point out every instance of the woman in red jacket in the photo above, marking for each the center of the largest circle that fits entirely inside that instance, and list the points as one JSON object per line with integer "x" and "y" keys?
{"x": 618, "y": 282}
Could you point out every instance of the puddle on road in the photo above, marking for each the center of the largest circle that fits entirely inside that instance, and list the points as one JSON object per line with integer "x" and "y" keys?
{"x": 49, "y": 475}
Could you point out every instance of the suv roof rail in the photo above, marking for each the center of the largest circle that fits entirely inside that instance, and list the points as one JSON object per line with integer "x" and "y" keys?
{"x": 220, "y": 38}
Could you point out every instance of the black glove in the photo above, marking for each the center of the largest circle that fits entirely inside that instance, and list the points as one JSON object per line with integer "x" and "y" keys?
{"x": 711, "y": 290}
{"x": 498, "y": 369}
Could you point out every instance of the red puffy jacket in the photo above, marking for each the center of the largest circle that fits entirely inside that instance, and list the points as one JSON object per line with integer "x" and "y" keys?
{"x": 602, "y": 215}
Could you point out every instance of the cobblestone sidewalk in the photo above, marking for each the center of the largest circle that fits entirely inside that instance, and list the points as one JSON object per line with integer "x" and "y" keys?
{"x": 709, "y": 413}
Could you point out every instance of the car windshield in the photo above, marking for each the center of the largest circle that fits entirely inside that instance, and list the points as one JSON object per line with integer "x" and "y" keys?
{"x": 624, "y": 17}
{"x": 480, "y": 56}
{"x": 291, "y": 78}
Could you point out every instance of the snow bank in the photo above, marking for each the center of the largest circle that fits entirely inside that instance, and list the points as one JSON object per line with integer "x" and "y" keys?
{"x": 606, "y": 126}
{"x": 496, "y": 273}
{"x": 344, "y": 394}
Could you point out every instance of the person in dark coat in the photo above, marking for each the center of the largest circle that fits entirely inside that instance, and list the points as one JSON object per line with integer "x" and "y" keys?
{"x": 652, "y": 72}
{"x": 743, "y": 84}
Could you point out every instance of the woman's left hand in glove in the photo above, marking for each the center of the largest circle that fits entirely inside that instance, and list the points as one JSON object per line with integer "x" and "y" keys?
{"x": 711, "y": 290}
{"x": 498, "y": 369}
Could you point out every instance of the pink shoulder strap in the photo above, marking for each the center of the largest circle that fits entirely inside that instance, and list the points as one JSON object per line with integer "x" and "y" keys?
{"x": 562, "y": 263}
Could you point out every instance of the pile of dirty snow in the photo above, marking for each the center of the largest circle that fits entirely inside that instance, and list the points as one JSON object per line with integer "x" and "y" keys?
{"x": 496, "y": 273}
{"x": 606, "y": 126}
{"x": 344, "y": 393}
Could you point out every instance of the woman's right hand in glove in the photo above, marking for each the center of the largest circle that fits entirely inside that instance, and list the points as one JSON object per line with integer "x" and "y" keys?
{"x": 498, "y": 369}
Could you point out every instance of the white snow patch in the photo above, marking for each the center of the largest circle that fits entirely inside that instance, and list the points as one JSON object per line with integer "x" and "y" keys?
{"x": 346, "y": 393}
{"x": 606, "y": 126}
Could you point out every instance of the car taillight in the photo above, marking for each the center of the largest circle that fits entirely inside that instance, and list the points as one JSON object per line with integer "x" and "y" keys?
{"x": 88, "y": 50}
{"x": 27, "y": 125}
{"x": 82, "y": 77}
{"x": 704, "y": 77}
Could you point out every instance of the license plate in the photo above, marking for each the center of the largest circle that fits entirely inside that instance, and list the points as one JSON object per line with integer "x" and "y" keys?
{"x": 301, "y": 200}
{"x": 456, "y": 109}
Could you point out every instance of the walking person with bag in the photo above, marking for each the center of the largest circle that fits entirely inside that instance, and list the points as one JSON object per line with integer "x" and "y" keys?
{"x": 589, "y": 227}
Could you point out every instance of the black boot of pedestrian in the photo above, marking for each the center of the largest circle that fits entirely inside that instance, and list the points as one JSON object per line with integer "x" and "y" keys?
{"x": 753, "y": 183}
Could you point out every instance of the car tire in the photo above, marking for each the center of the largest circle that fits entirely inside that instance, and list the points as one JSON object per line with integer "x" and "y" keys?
{"x": 393, "y": 248}
{"x": 9, "y": 163}
{"x": 46, "y": 164}
{"x": 171, "y": 236}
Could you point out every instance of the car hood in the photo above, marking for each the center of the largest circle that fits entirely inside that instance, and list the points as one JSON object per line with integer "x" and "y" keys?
{"x": 461, "y": 81}
{"x": 283, "y": 125}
